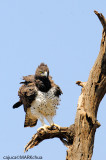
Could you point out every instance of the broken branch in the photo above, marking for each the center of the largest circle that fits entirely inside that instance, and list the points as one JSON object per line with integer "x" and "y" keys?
{"x": 65, "y": 134}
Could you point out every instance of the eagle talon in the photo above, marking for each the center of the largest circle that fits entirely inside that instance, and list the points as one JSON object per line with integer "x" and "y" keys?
{"x": 45, "y": 127}
{"x": 56, "y": 126}
{"x": 52, "y": 127}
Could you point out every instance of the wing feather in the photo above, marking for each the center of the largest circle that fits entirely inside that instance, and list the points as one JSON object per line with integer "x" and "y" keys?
{"x": 28, "y": 79}
{"x": 30, "y": 122}
{"x": 58, "y": 90}
{"x": 27, "y": 94}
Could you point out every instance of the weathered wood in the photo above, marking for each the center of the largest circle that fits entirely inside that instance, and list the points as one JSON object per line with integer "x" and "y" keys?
{"x": 88, "y": 103}
{"x": 79, "y": 137}
{"x": 66, "y": 135}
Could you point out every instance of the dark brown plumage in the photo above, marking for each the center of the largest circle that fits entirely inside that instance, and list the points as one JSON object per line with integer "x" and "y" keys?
{"x": 41, "y": 69}
{"x": 29, "y": 91}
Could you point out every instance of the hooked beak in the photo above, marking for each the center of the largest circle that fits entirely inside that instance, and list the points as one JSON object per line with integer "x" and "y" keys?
{"x": 45, "y": 74}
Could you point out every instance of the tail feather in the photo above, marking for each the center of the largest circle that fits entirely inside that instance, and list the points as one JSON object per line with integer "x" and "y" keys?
{"x": 30, "y": 122}
{"x": 16, "y": 105}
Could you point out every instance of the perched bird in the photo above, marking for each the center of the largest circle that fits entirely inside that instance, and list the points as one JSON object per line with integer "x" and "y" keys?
{"x": 40, "y": 97}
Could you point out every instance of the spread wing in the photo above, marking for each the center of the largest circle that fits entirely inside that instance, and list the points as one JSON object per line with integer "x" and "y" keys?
{"x": 27, "y": 94}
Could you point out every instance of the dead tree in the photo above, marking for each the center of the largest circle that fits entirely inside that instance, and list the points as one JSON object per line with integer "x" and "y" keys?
{"x": 79, "y": 137}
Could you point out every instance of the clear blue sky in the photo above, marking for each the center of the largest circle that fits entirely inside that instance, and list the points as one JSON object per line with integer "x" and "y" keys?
{"x": 66, "y": 35}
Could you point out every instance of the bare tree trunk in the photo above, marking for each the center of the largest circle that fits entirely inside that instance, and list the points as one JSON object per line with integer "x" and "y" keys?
{"x": 79, "y": 137}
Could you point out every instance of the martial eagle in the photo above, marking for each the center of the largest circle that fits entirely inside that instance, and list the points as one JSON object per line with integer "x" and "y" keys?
{"x": 40, "y": 97}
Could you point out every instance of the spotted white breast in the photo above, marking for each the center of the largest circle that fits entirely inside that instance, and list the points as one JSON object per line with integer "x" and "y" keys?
{"x": 45, "y": 104}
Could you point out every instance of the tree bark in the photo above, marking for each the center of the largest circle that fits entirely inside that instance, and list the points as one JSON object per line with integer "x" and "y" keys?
{"x": 79, "y": 137}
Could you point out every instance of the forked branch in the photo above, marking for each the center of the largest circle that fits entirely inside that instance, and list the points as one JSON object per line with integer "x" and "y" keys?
{"x": 65, "y": 134}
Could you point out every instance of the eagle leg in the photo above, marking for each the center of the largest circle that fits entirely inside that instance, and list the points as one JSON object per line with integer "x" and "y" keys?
{"x": 52, "y": 124}
{"x": 49, "y": 119}
{"x": 44, "y": 126}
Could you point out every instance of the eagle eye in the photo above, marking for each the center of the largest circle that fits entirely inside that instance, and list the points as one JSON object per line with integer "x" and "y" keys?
{"x": 41, "y": 72}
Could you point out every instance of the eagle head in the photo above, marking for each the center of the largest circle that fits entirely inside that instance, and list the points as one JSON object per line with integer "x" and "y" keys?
{"x": 42, "y": 71}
